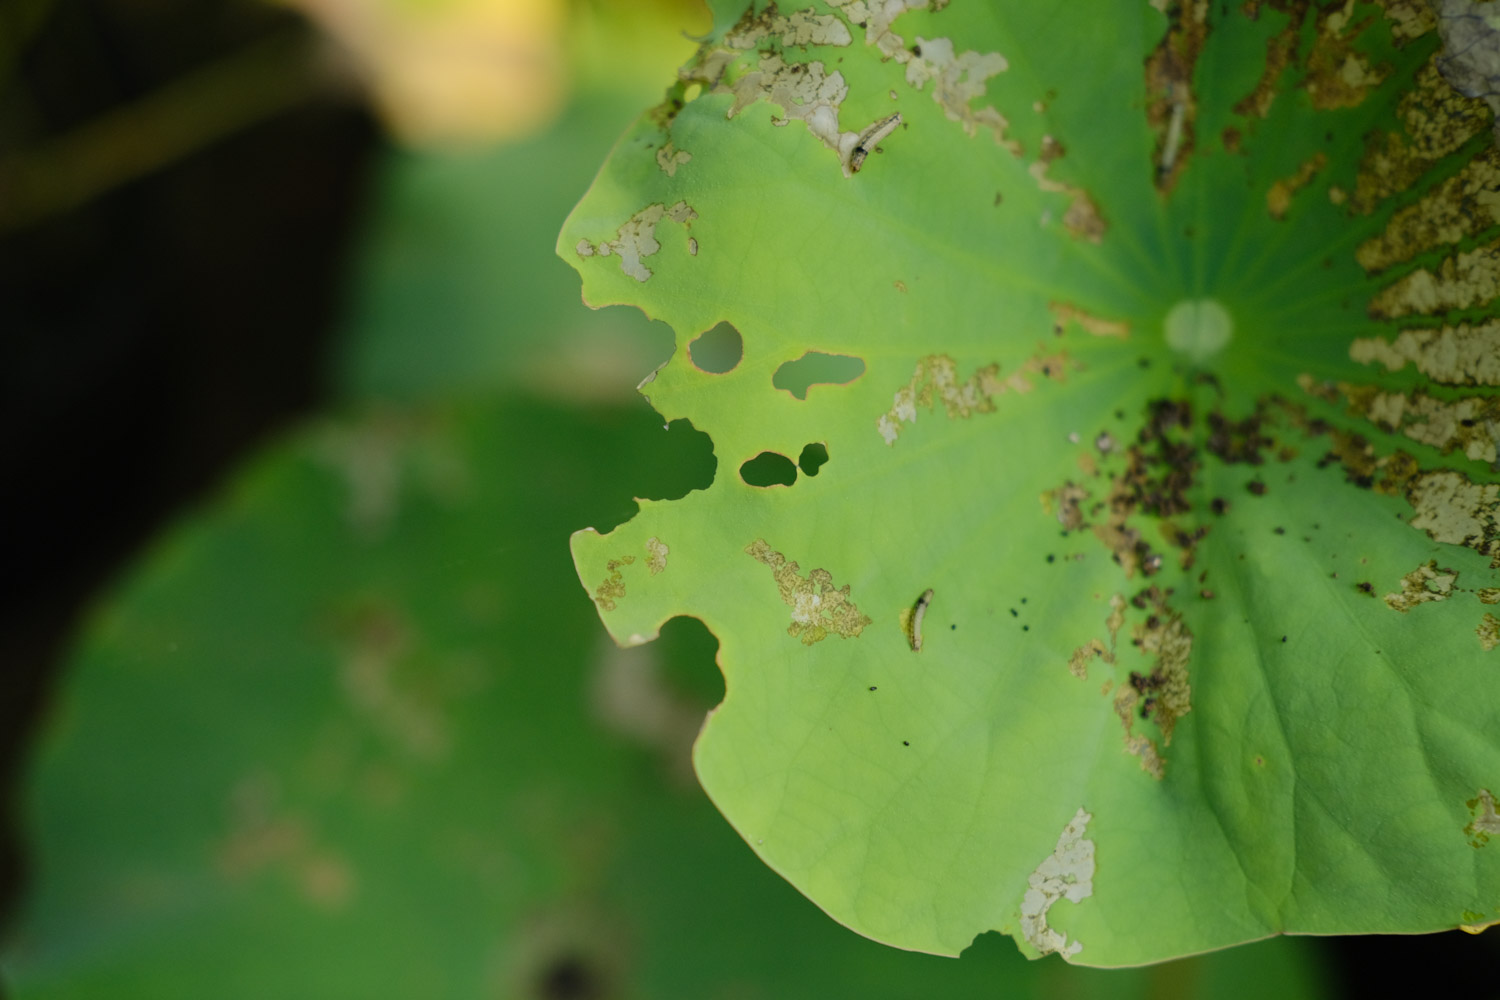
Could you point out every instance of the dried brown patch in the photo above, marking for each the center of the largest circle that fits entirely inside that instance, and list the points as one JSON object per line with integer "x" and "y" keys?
{"x": 935, "y": 380}
{"x": 1427, "y": 584}
{"x": 613, "y": 588}
{"x": 818, "y": 608}
{"x": 1082, "y": 218}
{"x": 1078, "y": 663}
{"x": 1171, "y": 106}
{"x": 1281, "y": 49}
{"x": 1339, "y": 76}
{"x": 1470, "y": 425}
{"x": 1460, "y": 207}
{"x": 1408, "y": 18}
{"x": 1436, "y": 120}
{"x": 1452, "y": 355}
{"x": 1488, "y": 631}
{"x": 1063, "y": 314}
{"x": 1279, "y": 198}
{"x": 1463, "y": 281}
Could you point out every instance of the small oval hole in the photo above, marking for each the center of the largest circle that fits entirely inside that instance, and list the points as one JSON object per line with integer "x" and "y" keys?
{"x": 817, "y": 368}
{"x": 717, "y": 351}
{"x": 813, "y": 458}
{"x": 769, "y": 469}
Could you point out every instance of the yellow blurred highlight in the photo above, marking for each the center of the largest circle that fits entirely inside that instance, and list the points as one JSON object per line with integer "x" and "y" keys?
{"x": 473, "y": 72}
{"x": 456, "y": 70}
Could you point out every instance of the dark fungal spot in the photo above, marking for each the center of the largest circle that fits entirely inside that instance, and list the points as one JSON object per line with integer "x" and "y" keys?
{"x": 1366, "y": 588}
{"x": 1256, "y": 487}
{"x": 1279, "y": 531}
{"x": 906, "y": 743}
{"x": 1283, "y": 638}
{"x": 1218, "y": 505}
{"x": 872, "y": 687}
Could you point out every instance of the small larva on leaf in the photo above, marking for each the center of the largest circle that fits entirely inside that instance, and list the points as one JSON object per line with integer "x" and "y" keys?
{"x": 916, "y": 619}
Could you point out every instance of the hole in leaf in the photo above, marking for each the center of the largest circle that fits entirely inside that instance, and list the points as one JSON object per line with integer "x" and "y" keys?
{"x": 718, "y": 351}
{"x": 813, "y": 458}
{"x": 769, "y": 469}
{"x": 682, "y": 463}
{"x": 688, "y": 652}
{"x": 817, "y": 368}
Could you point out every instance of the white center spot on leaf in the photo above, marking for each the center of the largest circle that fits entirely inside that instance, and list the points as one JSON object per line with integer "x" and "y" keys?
{"x": 1198, "y": 328}
{"x": 1068, "y": 873}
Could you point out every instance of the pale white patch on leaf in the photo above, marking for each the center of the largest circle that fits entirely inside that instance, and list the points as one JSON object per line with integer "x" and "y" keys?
{"x": 1456, "y": 355}
{"x": 1423, "y": 585}
{"x": 877, "y": 16}
{"x": 656, "y": 555}
{"x": 800, "y": 28}
{"x": 669, "y": 158}
{"x": 1068, "y": 873}
{"x": 636, "y": 239}
{"x": 958, "y": 78}
{"x": 1453, "y": 509}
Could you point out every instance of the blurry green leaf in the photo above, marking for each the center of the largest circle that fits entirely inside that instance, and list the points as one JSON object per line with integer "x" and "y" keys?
{"x": 1179, "y": 404}
{"x": 456, "y": 289}
{"x": 353, "y": 732}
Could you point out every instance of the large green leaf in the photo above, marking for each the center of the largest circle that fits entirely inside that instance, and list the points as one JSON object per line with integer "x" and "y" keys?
{"x": 1178, "y": 405}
